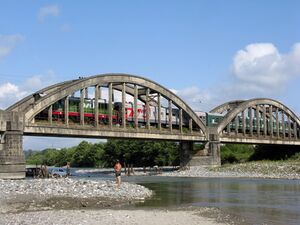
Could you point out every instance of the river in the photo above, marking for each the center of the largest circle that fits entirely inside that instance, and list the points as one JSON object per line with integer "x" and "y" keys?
{"x": 257, "y": 201}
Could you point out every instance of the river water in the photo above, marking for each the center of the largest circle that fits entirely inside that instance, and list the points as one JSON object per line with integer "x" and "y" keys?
{"x": 257, "y": 201}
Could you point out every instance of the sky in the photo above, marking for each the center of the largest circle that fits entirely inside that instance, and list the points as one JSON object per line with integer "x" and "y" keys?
{"x": 207, "y": 52}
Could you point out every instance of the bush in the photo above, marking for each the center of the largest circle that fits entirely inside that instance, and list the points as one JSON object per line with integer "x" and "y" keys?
{"x": 236, "y": 153}
{"x": 274, "y": 152}
{"x": 296, "y": 156}
{"x": 228, "y": 157}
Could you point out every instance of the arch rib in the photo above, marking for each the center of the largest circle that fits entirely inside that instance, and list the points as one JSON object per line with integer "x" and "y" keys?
{"x": 252, "y": 102}
{"x": 68, "y": 88}
{"x": 27, "y": 101}
{"x": 226, "y": 106}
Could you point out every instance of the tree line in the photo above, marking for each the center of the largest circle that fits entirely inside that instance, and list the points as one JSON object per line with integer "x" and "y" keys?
{"x": 150, "y": 153}
{"x": 239, "y": 153}
{"x": 135, "y": 152}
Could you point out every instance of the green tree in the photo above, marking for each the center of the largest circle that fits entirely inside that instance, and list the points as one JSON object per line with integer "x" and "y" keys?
{"x": 136, "y": 152}
{"x": 79, "y": 158}
{"x": 141, "y": 153}
{"x": 50, "y": 157}
{"x": 63, "y": 157}
{"x": 35, "y": 158}
{"x": 274, "y": 152}
{"x": 236, "y": 153}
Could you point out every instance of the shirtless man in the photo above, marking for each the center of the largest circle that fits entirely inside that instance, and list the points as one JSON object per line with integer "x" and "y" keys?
{"x": 117, "y": 169}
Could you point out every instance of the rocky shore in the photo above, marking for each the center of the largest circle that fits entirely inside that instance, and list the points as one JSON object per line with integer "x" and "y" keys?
{"x": 265, "y": 169}
{"x": 78, "y": 188}
{"x": 46, "y": 194}
{"x": 111, "y": 217}
{"x": 82, "y": 201}
{"x": 75, "y": 202}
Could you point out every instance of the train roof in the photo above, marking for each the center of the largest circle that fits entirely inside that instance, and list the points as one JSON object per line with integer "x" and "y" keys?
{"x": 215, "y": 114}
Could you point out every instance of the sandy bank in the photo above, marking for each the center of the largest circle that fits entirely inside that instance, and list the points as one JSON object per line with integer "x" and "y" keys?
{"x": 107, "y": 217}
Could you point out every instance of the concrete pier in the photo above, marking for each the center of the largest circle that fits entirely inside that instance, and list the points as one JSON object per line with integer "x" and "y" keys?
{"x": 186, "y": 149}
{"x": 12, "y": 160}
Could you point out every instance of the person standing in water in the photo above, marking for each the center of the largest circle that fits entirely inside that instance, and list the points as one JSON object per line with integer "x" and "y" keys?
{"x": 117, "y": 169}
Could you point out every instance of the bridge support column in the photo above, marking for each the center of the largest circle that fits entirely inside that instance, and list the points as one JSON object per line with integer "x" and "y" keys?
{"x": 214, "y": 150}
{"x": 12, "y": 160}
{"x": 212, "y": 159}
{"x": 213, "y": 156}
{"x": 185, "y": 153}
{"x": 215, "y": 153}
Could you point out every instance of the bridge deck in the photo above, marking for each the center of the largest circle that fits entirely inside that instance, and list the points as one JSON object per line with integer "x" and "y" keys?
{"x": 38, "y": 130}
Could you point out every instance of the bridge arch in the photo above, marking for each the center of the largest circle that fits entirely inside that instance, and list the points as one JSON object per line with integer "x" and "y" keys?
{"x": 261, "y": 116}
{"x": 227, "y": 106}
{"x": 43, "y": 99}
{"x": 258, "y": 121}
{"x": 21, "y": 105}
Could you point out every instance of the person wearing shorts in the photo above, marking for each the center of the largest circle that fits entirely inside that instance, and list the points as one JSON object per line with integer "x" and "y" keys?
{"x": 117, "y": 169}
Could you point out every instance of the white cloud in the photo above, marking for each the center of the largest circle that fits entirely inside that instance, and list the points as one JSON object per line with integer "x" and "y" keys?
{"x": 196, "y": 98}
{"x": 262, "y": 68}
{"x": 258, "y": 70}
{"x": 38, "y": 82}
{"x": 9, "y": 89}
{"x": 48, "y": 11}
{"x": 8, "y": 43}
{"x": 11, "y": 93}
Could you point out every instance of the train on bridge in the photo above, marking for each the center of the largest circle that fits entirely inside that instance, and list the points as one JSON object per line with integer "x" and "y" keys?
{"x": 103, "y": 109}
{"x": 209, "y": 119}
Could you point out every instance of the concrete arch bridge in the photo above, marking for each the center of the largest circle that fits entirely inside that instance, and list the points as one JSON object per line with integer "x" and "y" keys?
{"x": 128, "y": 106}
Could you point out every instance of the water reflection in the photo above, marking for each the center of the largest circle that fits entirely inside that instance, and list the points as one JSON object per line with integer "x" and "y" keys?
{"x": 257, "y": 200}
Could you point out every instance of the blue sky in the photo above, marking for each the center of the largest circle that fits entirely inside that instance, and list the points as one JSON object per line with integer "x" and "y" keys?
{"x": 205, "y": 51}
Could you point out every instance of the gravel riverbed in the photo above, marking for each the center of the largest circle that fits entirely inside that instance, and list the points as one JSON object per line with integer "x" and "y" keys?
{"x": 46, "y": 194}
{"x": 86, "y": 202}
{"x": 273, "y": 170}
{"x": 67, "y": 187}
{"x": 111, "y": 217}
{"x": 78, "y": 201}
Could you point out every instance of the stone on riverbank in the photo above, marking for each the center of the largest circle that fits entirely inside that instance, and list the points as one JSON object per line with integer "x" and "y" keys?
{"x": 107, "y": 217}
{"x": 35, "y": 194}
{"x": 265, "y": 169}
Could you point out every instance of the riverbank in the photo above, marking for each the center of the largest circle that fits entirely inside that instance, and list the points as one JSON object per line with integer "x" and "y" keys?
{"x": 256, "y": 169}
{"x": 109, "y": 217}
{"x": 66, "y": 193}
{"x": 261, "y": 169}
{"x": 84, "y": 201}
{"x": 72, "y": 201}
